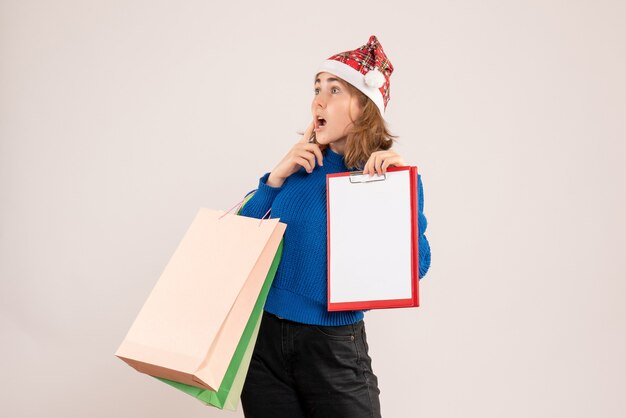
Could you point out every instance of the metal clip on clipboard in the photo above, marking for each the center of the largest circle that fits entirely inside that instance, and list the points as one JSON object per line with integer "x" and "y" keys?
{"x": 359, "y": 177}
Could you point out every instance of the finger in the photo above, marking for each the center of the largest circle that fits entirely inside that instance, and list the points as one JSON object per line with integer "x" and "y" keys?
{"x": 396, "y": 159}
{"x": 308, "y": 133}
{"x": 315, "y": 149}
{"x": 389, "y": 162}
{"x": 368, "y": 167}
{"x": 378, "y": 162}
{"x": 307, "y": 155}
{"x": 386, "y": 159}
{"x": 304, "y": 163}
{"x": 386, "y": 165}
{"x": 310, "y": 155}
{"x": 371, "y": 163}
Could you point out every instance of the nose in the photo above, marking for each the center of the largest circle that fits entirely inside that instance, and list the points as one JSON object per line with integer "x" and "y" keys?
{"x": 319, "y": 101}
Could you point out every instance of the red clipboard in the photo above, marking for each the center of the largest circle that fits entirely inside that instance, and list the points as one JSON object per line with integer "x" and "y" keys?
{"x": 373, "y": 260}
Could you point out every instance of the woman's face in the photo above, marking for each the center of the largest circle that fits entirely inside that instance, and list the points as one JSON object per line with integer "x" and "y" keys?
{"x": 334, "y": 111}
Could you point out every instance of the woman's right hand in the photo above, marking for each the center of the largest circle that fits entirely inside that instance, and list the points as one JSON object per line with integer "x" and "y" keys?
{"x": 302, "y": 154}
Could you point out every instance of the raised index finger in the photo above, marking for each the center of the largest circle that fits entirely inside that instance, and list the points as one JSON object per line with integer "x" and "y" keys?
{"x": 307, "y": 133}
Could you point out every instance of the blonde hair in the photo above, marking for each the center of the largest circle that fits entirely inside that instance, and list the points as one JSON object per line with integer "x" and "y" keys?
{"x": 368, "y": 133}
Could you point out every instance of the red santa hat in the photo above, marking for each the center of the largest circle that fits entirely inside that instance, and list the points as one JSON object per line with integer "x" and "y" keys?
{"x": 367, "y": 68}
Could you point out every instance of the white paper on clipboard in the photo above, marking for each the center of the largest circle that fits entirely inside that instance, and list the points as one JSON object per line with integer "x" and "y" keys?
{"x": 372, "y": 243}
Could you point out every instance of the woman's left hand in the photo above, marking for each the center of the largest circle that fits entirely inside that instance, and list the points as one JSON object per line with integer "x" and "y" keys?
{"x": 379, "y": 161}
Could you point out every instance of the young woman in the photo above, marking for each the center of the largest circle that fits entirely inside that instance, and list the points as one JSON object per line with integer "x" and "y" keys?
{"x": 309, "y": 362}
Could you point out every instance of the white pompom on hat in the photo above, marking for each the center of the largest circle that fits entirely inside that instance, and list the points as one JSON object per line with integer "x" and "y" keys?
{"x": 367, "y": 68}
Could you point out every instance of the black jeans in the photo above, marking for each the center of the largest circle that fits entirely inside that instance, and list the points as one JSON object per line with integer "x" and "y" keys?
{"x": 299, "y": 370}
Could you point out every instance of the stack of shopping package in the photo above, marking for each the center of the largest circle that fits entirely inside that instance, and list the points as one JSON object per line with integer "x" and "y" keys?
{"x": 197, "y": 329}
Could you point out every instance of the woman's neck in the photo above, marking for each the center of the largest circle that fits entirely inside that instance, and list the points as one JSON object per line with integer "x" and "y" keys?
{"x": 339, "y": 146}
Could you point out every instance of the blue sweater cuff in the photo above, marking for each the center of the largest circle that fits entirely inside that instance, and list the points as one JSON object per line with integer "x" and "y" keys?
{"x": 262, "y": 200}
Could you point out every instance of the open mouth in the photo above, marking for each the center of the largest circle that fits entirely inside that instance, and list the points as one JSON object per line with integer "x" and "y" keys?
{"x": 320, "y": 123}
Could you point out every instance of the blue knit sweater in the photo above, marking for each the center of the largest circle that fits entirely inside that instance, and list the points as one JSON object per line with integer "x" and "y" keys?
{"x": 299, "y": 290}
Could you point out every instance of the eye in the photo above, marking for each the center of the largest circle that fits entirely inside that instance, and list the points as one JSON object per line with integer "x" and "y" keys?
{"x": 317, "y": 90}
{"x": 335, "y": 90}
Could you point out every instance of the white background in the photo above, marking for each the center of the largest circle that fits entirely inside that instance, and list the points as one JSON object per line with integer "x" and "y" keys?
{"x": 119, "y": 119}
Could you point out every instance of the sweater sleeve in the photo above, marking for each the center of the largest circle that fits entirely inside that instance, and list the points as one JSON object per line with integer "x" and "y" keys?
{"x": 262, "y": 199}
{"x": 422, "y": 223}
